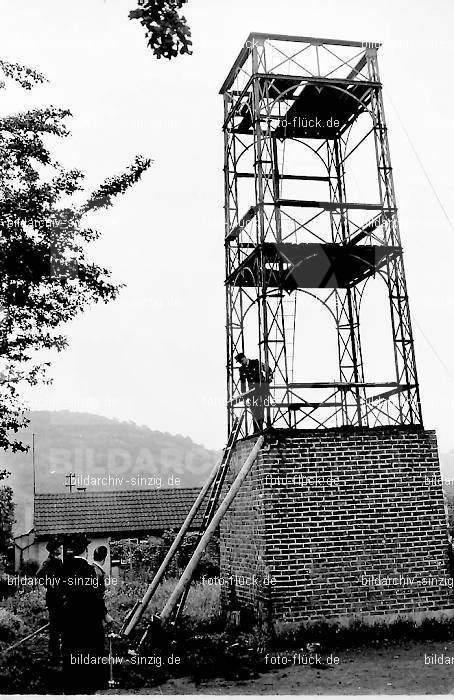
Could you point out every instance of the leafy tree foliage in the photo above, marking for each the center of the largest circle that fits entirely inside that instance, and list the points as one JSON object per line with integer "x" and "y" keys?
{"x": 166, "y": 30}
{"x": 149, "y": 555}
{"x": 46, "y": 278}
{"x": 6, "y": 520}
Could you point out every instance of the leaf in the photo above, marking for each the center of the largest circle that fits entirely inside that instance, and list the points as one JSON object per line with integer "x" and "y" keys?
{"x": 166, "y": 30}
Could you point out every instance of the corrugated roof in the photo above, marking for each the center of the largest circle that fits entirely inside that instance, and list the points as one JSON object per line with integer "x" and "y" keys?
{"x": 113, "y": 511}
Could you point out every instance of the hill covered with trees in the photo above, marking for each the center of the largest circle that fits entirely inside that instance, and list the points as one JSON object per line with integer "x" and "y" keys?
{"x": 102, "y": 454}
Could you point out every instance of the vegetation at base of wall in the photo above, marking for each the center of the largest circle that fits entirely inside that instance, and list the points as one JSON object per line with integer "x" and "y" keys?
{"x": 202, "y": 610}
{"x": 359, "y": 633}
{"x": 207, "y": 641}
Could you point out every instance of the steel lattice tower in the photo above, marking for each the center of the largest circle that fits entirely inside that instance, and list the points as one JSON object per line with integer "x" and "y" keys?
{"x": 325, "y": 97}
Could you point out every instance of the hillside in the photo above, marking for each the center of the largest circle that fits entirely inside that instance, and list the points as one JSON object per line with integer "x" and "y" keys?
{"x": 447, "y": 464}
{"x": 107, "y": 454}
{"x": 103, "y": 454}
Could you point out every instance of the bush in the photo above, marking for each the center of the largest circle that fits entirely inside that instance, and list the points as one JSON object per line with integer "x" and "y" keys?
{"x": 11, "y": 626}
{"x": 6, "y": 588}
{"x": 148, "y": 556}
{"x": 30, "y": 567}
{"x": 209, "y": 563}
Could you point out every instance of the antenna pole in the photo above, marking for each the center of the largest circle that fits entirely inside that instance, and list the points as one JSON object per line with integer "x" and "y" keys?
{"x": 34, "y": 476}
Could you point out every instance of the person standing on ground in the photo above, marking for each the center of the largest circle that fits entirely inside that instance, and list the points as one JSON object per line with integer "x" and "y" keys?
{"x": 50, "y": 575}
{"x": 99, "y": 559}
{"x": 82, "y": 622}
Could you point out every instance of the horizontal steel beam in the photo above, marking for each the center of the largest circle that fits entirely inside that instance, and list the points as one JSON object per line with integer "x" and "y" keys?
{"x": 315, "y": 178}
{"x": 319, "y": 79}
{"x": 325, "y": 385}
{"x": 298, "y": 405}
{"x": 261, "y": 37}
{"x": 316, "y": 41}
{"x": 341, "y": 385}
{"x": 329, "y": 206}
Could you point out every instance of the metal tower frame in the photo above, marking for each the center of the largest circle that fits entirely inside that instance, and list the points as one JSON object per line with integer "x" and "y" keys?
{"x": 326, "y": 96}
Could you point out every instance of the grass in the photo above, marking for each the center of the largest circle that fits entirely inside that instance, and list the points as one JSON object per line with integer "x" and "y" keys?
{"x": 202, "y": 609}
{"x": 206, "y": 644}
{"x": 357, "y": 635}
{"x": 27, "y": 669}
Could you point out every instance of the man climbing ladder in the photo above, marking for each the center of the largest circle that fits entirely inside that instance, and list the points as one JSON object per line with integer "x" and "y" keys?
{"x": 258, "y": 380}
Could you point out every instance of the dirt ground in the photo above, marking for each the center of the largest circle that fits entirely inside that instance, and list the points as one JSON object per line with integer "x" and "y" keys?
{"x": 392, "y": 671}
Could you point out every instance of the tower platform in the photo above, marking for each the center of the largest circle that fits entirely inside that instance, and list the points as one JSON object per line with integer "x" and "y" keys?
{"x": 293, "y": 266}
{"x": 342, "y": 524}
{"x": 314, "y": 108}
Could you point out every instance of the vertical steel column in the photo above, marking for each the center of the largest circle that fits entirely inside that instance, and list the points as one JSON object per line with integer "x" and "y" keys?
{"x": 272, "y": 337}
{"x": 281, "y": 357}
{"x": 404, "y": 353}
{"x": 234, "y": 295}
{"x": 259, "y": 148}
{"x": 228, "y": 296}
{"x": 346, "y": 303}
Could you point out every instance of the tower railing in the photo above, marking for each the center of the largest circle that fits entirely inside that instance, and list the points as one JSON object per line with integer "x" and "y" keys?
{"x": 313, "y": 405}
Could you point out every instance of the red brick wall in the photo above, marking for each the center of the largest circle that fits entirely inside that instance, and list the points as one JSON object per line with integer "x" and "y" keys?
{"x": 374, "y": 508}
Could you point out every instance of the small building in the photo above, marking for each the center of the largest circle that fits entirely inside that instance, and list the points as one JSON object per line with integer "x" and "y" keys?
{"x": 104, "y": 516}
{"x": 25, "y": 549}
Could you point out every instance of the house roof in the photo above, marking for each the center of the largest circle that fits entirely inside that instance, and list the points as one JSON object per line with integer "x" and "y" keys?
{"x": 113, "y": 511}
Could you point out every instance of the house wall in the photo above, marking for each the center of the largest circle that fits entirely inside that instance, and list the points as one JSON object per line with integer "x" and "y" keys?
{"x": 39, "y": 551}
{"x": 97, "y": 541}
{"x": 26, "y": 549}
{"x": 334, "y": 518}
{"x": 36, "y": 551}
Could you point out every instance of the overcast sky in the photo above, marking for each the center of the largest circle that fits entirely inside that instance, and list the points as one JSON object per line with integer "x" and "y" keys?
{"x": 157, "y": 355}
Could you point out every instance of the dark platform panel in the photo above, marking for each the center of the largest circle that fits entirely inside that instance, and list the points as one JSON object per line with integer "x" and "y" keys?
{"x": 293, "y": 266}
{"x": 320, "y": 111}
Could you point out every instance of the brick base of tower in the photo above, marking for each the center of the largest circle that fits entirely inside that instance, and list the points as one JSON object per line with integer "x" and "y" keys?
{"x": 341, "y": 523}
